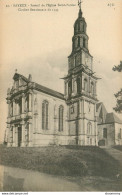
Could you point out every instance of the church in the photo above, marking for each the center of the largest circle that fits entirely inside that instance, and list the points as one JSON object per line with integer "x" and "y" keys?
{"x": 39, "y": 116}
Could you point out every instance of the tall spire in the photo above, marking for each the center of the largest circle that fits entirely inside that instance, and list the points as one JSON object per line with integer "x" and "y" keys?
{"x": 80, "y": 11}
{"x": 79, "y": 4}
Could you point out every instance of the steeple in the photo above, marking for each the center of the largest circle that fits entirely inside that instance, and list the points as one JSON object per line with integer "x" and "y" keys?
{"x": 80, "y": 38}
{"x": 80, "y": 80}
{"x": 80, "y": 53}
{"x": 80, "y": 11}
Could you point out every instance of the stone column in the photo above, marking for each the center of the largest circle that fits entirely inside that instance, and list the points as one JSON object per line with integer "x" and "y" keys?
{"x": 80, "y": 109}
{"x": 66, "y": 89}
{"x": 14, "y": 136}
{"x": 13, "y": 108}
{"x": 23, "y": 103}
{"x": 95, "y": 88}
{"x": 75, "y": 86}
{"x": 96, "y": 132}
{"x": 72, "y": 86}
{"x": 89, "y": 85}
{"x": 8, "y": 135}
{"x": 82, "y": 83}
{"x": 84, "y": 120}
{"x": 23, "y": 133}
{"x": 30, "y": 101}
{"x": 65, "y": 92}
{"x": 8, "y": 102}
{"x": 30, "y": 133}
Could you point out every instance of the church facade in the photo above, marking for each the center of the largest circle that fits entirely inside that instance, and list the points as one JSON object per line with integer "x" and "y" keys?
{"x": 40, "y": 116}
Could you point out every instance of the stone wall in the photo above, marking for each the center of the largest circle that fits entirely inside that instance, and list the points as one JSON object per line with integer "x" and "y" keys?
{"x": 110, "y": 140}
{"x": 52, "y": 135}
{"x": 118, "y": 134}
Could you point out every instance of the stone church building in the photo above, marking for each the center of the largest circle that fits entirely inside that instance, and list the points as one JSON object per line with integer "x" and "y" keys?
{"x": 40, "y": 116}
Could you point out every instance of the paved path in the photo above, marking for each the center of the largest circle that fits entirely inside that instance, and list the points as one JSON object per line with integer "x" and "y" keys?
{"x": 16, "y": 179}
{"x": 116, "y": 154}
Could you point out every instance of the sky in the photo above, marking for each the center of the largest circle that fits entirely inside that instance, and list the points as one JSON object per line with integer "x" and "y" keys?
{"x": 39, "y": 43}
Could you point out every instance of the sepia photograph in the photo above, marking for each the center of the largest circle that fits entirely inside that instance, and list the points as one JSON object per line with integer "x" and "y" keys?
{"x": 61, "y": 96}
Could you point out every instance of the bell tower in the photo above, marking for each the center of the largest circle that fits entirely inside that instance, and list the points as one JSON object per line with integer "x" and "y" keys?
{"x": 80, "y": 88}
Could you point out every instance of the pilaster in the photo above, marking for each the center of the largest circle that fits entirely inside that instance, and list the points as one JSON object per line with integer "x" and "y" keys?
{"x": 13, "y": 107}
{"x": 30, "y": 101}
{"x": 30, "y": 132}
{"x": 23, "y": 133}
{"x": 14, "y": 136}
{"x": 8, "y": 102}
{"x": 23, "y": 103}
{"x": 8, "y": 135}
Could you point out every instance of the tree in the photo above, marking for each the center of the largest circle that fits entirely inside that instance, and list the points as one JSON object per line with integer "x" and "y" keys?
{"x": 118, "y": 95}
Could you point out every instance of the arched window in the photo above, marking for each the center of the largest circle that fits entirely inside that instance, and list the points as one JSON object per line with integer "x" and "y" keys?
{"x": 84, "y": 42}
{"x": 76, "y": 27}
{"x": 61, "y": 113}
{"x": 26, "y": 103}
{"x": 105, "y": 133}
{"x": 35, "y": 105}
{"x": 20, "y": 106}
{"x": 83, "y": 28}
{"x": 82, "y": 25}
{"x": 78, "y": 41}
{"x": 89, "y": 128}
{"x": 92, "y": 88}
{"x": 69, "y": 88}
{"x": 11, "y": 135}
{"x": 45, "y": 115}
{"x": 78, "y": 85}
{"x": 85, "y": 85}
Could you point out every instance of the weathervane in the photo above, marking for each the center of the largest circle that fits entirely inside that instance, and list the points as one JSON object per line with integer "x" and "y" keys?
{"x": 79, "y": 3}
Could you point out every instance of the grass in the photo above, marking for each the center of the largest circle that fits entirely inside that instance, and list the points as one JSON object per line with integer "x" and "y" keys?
{"x": 62, "y": 160}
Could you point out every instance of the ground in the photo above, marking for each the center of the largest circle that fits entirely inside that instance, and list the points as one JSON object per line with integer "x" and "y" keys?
{"x": 94, "y": 168}
{"x": 118, "y": 147}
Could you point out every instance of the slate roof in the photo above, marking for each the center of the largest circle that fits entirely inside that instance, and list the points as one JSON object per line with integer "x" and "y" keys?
{"x": 104, "y": 117}
{"x": 41, "y": 88}
{"x": 49, "y": 91}
{"x": 112, "y": 118}
{"x": 100, "y": 108}
{"x": 98, "y": 105}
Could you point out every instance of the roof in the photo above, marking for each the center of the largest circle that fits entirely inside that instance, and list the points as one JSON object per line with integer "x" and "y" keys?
{"x": 98, "y": 105}
{"x": 104, "y": 117}
{"x": 40, "y": 87}
{"x": 100, "y": 108}
{"x": 49, "y": 91}
{"x": 112, "y": 118}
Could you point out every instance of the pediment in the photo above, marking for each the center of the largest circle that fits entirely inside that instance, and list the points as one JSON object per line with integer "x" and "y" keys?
{"x": 19, "y": 80}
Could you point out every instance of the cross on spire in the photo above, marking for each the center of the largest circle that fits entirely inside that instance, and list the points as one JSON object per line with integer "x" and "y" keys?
{"x": 79, "y": 3}
{"x": 15, "y": 70}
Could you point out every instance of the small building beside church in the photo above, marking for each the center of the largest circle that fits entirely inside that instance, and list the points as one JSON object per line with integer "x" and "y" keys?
{"x": 109, "y": 127}
{"x": 40, "y": 116}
